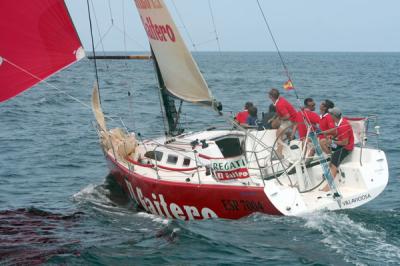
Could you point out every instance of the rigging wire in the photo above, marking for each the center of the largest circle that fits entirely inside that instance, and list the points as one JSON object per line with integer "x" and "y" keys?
{"x": 124, "y": 26}
{"x": 305, "y": 116}
{"x": 130, "y": 37}
{"x": 215, "y": 28}
{"x": 97, "y": 25}
{"x": 93, "y": 49}
{"x": 184, "y": 26}
{"x": 156, "y": 74}
{"x": 130, "y": 95}
{"x": 195, "y": 45}
{"x": 114, "y": 26}
{"x": 46, "y": 82}
{"x": 100, "y": 42}
{"x": 52, "y": 86}
{"x": 276, "y": 47}
{"x": 111, "y": 15}
{"x": 206, "y": 42}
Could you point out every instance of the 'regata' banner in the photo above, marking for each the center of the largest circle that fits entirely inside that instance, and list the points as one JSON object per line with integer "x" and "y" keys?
{"x": 229, "y": 169}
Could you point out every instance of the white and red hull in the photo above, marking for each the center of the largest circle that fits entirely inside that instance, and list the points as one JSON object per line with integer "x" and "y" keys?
{"x": 192, "y": 192}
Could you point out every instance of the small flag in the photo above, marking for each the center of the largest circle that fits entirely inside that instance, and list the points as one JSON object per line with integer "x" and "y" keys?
{"x": 288, "y": 85}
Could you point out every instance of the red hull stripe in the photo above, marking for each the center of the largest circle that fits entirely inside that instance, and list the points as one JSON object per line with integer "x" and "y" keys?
{"x": 209, "y": 157}
{"x": 161, "y": 166}
{"x": 355, "y": 118}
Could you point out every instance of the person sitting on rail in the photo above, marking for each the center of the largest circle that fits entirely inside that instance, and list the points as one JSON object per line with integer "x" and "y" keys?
{"x": 241, "y": 117}
{"x": 270, "y": 120}
{"x": 343, "y": 143}
{"x": 326, "y": 125}
{"x": 252, "y": 117}
{"x": 287, "y": 116}
{"x": 307, "y": 117}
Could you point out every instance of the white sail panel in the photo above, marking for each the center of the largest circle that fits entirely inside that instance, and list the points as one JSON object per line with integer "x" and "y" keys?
{"x": 180, "y": 73}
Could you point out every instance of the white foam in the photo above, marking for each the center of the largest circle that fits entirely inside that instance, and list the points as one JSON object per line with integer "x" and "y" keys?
{"x": 89, "y": 189}
{"x": 352, "y": 239}
{"x": 154, "y": 218}
{"x": 93, "y": 194}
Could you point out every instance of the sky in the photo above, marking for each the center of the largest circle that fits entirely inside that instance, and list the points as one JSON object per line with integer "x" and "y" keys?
{"x": 308, "y": 25}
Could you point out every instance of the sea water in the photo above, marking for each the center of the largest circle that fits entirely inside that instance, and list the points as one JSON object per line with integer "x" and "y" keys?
{"x": 59, "y": 206}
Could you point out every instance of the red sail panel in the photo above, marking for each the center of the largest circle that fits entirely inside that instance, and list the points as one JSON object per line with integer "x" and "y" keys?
{"x": 37, "y": 40}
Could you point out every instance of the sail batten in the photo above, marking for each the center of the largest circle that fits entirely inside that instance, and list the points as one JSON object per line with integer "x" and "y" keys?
{"x": 180, "y": 73}
{"x": 39, "y": 39}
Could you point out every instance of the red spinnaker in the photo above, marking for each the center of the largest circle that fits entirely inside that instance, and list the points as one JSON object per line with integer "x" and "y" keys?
{"x": 37, "y": 40}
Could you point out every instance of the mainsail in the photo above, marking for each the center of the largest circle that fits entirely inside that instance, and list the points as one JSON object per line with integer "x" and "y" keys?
{"x": 37, "y": 40}
{"x": 179, "y": 71}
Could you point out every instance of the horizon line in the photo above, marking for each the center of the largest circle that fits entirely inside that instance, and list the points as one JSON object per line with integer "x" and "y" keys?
{"x": 244, "y": 51}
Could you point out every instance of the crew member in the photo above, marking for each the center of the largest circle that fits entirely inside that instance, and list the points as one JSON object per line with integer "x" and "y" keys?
{"x": 343, "y": 144}
{"x": 252, "y": 117}
{"x": 271, "y": 120}
{"x": 241, "y": 117}
{"x": 286, "y": 114}
{"x": 305, "y": 117}
{"x": 326, "y": 125}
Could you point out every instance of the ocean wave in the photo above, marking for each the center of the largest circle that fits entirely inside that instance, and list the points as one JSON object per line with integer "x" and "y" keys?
{"x": 95, "y": 194}
{"x": 357, "y": 243}
{"x": 154, "y": 218}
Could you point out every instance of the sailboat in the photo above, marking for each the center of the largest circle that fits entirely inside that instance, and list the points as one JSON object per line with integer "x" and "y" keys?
{"x": 214, "y": 173}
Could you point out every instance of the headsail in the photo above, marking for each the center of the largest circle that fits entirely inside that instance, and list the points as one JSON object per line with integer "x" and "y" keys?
{"x": 180, "y": 73}
{"x": 38, "y": 39}
{"x": 96, "y": 108}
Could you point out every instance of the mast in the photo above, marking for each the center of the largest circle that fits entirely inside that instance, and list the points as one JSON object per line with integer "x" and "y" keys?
{"x": 171, "y": 114}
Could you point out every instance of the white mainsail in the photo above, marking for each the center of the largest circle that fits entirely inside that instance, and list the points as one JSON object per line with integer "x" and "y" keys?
{"x": 180, "y": 72}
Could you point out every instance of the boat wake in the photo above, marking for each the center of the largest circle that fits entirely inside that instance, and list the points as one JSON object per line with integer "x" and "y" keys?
{"x": 332, "y": 238}
{"x": 359, "y": 242}
{"x": 352, "y": 237}
{"x": 94, "y": 194}
{"x": 107, "y": 196}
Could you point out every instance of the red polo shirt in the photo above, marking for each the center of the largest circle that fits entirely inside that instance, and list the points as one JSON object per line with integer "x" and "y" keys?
{"x": 241, "y": 117}
{"x": 344, "y": 131}
{"x": 309, "y": 117}
{"x": 283, "y": 108}
{"x": 325, "y": 123}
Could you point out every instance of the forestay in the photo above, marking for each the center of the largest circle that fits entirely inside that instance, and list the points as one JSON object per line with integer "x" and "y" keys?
{"x": 180, "y": 72}
{"x": 37, "y": 40}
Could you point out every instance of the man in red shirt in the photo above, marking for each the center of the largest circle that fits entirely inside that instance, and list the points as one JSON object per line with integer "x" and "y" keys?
{"x": 241, "y": 117}
{"x": 284, "y": 109}
{"x": 286, "y": 113}
{"x": 343, "y": 144}
{"x": 326, "y": 125}
{"x": 306, "y": 117}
